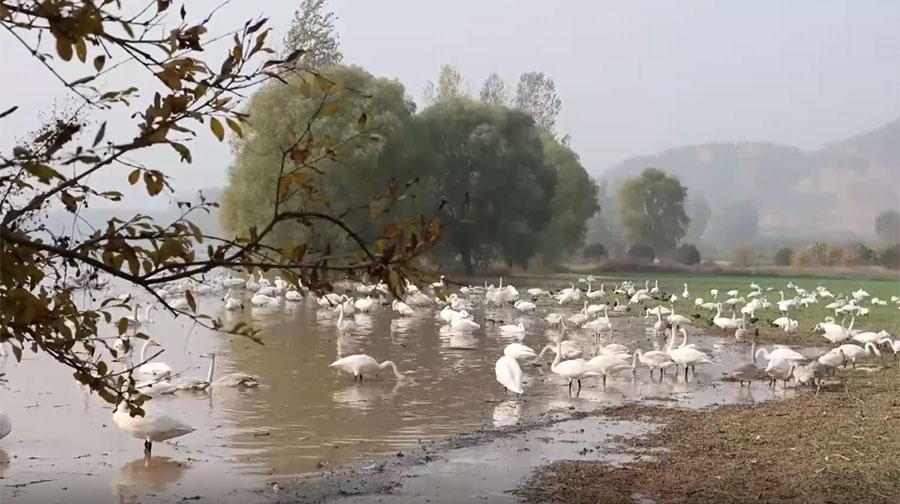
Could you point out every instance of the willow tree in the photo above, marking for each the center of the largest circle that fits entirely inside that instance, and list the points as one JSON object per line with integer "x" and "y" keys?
{"x": 178, "y": 86}
{"x": 651, "y": 208}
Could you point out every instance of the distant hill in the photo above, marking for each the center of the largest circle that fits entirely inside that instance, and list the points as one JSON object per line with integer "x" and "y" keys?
{"x": 837, "y": 190}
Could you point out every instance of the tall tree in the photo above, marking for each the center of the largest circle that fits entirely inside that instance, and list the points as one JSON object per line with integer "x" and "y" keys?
{"x": 450, "y": 85}
{"x": 536, "y": 94}
{"x": 494, "y": 90}
{"x": 652, "y": 209}
{"x": 490, "y": 171}
{"x": 698, "y": 211}
{"x": 313, "y": 31}
{"x": 887, "y": 227}
{"x": 574, "y": 201}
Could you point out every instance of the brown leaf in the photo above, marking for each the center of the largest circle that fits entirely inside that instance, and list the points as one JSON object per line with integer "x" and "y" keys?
{"x": 99, "y": 61}
{"x": 134, "y": 176}
{"x": 64, "y": 47}
{"x": 81, "y": 49}
{"x": 100, "y": 134}
{"x": 190, "y": 300}
{"x": 234, "y": 126}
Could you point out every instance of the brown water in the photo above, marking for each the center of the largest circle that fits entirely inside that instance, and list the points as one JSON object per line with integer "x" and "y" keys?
{"x": 304, "y": 416}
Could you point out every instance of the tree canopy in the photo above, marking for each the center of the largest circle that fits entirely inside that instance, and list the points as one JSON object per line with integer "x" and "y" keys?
{"x": 536, "y": 94}
{"x": 450, "y": 84}
{"x": 652, "y": 209}
{"x": 312, "y": 31}
{"x": 494, "y": 90}
{"x": 490, "y": 171}
{"x": 574, "y": 202}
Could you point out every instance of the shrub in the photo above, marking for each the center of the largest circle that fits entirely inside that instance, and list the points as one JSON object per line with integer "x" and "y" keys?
{"x": 595, "y": 251}
{"x": 641, "y": 251}
{"x": 688, "y": 254}
{"x": 783, "y": 256}
{"x": 890, "y": 257}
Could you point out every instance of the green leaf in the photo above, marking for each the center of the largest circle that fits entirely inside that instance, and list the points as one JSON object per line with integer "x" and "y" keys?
{"x": 217, "y": 128}
{"x": 43, "y": 172}
{"x": 134, "y": 176}
{"x": 81, "y": 49}
{"x": 198, "y": 233}
{"x": 122, "y": 325}
{"x": 190, "y": 300}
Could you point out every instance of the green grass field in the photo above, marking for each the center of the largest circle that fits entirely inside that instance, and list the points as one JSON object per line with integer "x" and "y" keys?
{"x": 880, "y": 317}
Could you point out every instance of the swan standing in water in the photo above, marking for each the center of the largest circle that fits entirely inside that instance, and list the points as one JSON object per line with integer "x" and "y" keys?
{"x": 155, "y": 425}
{"x": 509, "y": 374}
{"x": 359, "y": 364}
{"x": 748, "y": 371}
{"x": 344, "y": 325}
{"x": 516, "y": 330}
{"x": 152, "y": 368}
{"x": 654, "y": 359}
{"x": 519, "y": 351}
{"x": 571, "y": 370}
{"x": 5, "y": 425}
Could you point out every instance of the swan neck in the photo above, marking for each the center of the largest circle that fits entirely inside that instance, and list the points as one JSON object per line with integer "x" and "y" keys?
{"x": 390, "y": 364}
{"x": 212, "y": 365}
{"x": 144, "y": 349}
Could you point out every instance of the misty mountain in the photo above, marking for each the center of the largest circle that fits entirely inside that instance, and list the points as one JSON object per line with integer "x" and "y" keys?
{"x": 837, "y": 190}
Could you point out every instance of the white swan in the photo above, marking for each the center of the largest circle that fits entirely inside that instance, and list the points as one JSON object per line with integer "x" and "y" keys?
{"x": 516, "y": 330}
{"x": 525, "y": 306}
{"x": 570, "y": 350}
{"x": 402, "y": 308}
{"x": 686, "y": 356}
{"x": 232, "y": 303}
{"x": 463, "y": 323}
{"x": 359, "y": 364}
{"x": 509, "y": 374}
{"x": 519, "y": 351}
{"x": 685, "y": 293}
{"x": 780, "y": 354}
{"x": 344, "y": 325}
{"x": 365, "y": 304}
{"x": 571, "y": 370}
{"x": 854, "y": 352}
{"x": 5, "y": 425}
{"x": 654, "y": 359}
{"x": 606, "y": 365}
{"x": 152, "y": 368}
{"x": 155, "y": 425}
{"x": 264, "y": 300}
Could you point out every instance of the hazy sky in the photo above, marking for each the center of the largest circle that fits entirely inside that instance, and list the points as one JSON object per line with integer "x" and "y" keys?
{"x": 634, "y": 77}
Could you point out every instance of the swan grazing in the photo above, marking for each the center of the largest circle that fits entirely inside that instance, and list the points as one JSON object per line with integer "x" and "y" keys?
{"x": 155, "y": 425}
{"x": 571, "y": 370}
{"x": 606, "y": 365}
{"x": 232, "y": 380}
{"x": 519, "y": 351}
{"x": 654, "y": 359}
{"x": 402, "y": 308}
{"x": 156, "y": 369}
{"x": 570, "y": 350}
{"x": 359, "y": 364}
{"x": 509, "y": 374}
{"x": 5, "y": 425}
{"x": 747, "y": 371}
{"x": 853, "y": 352}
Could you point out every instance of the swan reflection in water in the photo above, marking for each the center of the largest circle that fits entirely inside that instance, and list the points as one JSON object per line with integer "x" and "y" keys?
{"x": 456, "y": 339}
{"x": 363, "y": 397}
{"x": 147, "y": 475}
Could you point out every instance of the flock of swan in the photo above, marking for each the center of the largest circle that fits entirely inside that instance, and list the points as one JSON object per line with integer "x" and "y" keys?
{"x": 573, "y": 362}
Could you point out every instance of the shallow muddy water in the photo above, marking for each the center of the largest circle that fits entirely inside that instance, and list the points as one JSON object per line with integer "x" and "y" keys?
{"x": 305, "y": 416}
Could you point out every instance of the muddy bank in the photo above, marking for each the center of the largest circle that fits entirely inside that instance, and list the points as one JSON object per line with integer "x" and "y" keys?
{"x": 841, "y": 446}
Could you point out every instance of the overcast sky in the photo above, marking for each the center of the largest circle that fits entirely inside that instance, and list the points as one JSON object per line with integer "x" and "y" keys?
{"x": 634, "y": 77}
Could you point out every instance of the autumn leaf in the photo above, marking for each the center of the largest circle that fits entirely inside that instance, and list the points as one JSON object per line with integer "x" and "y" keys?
{"x": 217, "y": 128}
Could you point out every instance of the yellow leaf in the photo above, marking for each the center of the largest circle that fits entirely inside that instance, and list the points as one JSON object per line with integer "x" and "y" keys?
{"x": 235, "y": 127}
{"x": 190, "y": 300}
{"x": 331, "y": 109}
{"x": 81, "y": 49}
{"x": 99, "y": 61}
{"x": 217, "y": 128}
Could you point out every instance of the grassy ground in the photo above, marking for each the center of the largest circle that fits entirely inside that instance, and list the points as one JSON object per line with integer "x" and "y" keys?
{"x": 880, "y": 317}
{"x": 840, "y": 446}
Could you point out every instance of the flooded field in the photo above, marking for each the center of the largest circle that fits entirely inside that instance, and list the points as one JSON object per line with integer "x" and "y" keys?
{"x": 305, "y": 416}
